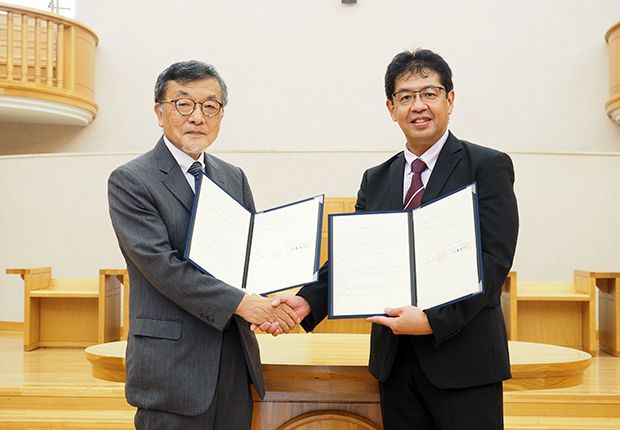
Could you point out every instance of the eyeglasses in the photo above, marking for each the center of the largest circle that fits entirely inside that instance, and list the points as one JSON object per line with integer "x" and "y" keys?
{"x": 427, "y": 94}
{"x": 187, "y": 107}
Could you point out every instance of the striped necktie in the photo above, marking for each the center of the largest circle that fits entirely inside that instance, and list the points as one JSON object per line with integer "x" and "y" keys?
{"x": 196, "y": 171}
{"x": 416, "y": 189}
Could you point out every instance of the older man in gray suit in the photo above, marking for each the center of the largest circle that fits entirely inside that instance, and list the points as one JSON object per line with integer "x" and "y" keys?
{"x": 190, "y": 353}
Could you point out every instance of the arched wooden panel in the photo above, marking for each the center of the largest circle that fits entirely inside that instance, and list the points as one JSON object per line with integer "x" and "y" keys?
{"x": 329, "y": 420}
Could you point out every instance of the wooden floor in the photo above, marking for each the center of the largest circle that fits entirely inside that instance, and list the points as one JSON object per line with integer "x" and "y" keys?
{"x": 53, "y": 389}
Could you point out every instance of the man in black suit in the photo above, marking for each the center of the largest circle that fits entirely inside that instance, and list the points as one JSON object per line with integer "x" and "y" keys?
{"x": 440, "y": 368}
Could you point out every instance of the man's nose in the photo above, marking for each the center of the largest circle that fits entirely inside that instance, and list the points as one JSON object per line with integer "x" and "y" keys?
{"x": 418, "y": 104}
{"x": 197, "y": 117}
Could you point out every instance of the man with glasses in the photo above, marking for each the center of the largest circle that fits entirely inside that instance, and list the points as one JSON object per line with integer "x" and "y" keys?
{"x": 190, "y": 353}
{"x": 440, "y": 368}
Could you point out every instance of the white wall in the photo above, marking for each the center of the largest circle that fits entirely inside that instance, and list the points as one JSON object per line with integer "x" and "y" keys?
{"x": 307, "y": 115}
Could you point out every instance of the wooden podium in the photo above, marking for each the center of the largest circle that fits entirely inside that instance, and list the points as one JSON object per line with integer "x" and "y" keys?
{"x": 322, "y": 381}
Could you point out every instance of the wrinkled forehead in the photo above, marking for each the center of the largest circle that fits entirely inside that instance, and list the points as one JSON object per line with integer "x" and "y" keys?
{"x": 208, "y": 88}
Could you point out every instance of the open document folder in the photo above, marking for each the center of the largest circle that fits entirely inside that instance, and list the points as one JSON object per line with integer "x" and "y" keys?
{"x": 427, "y": 257}
{"x": 263, "y": 252}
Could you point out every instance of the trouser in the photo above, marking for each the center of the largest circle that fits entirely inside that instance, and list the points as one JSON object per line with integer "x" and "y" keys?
{"x": 231, "y": 408}
{"x": 410, "y": 401}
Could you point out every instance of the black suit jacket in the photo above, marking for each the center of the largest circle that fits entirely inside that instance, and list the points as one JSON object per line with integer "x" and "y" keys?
{"x": 469, "y": 345}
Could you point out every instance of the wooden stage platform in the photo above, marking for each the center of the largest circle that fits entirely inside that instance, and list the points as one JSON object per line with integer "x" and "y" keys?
{"x": 54, "y": 389}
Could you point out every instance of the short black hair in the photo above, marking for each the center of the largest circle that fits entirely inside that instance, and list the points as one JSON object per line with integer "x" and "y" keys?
{"x": 188, "y": 71}
{"x": 418, "y": 62}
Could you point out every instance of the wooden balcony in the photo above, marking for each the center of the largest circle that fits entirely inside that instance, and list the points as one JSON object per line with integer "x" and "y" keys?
{"x": 47, "y": 68}
{"x": 612, "y": 37}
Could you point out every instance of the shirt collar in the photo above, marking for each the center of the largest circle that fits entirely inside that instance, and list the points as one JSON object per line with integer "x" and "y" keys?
{"x": 183, "y": 160}
{"x": 429, "y": 157}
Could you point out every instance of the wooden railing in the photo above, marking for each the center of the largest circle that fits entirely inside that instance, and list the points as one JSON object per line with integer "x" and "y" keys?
{"x": 46, "y": 56}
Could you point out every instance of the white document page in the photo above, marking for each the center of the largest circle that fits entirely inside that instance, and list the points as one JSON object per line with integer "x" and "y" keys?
{"x": 370, "y": 263}
{"x": 220, "y": 234}
{"x": 446, "y": 259}
{"x": 284, "y": 247}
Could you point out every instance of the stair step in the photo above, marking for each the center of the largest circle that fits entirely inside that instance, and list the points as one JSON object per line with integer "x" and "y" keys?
{"x": 66, "y": 419}
{"x": 560, "y": 423}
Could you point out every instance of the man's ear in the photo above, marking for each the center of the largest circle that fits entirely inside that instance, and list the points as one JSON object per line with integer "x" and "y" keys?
{"x": 158, "y": 112}
{"x": 390, "y": 108}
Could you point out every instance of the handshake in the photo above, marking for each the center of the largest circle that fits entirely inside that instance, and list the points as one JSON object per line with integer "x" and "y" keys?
{"x": 274, "y": 315}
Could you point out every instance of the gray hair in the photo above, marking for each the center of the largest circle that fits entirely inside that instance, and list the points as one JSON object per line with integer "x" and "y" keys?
{"x": 188, "y": 71}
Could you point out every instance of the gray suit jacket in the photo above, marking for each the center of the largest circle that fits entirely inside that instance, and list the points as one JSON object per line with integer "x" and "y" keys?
{"x": 177, "y": 314}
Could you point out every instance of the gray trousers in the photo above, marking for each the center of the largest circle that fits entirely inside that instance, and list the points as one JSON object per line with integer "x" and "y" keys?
{"x": 231, "y": 408}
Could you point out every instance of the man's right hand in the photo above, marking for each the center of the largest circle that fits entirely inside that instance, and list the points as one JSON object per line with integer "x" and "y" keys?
{"x": 279, "y": 318}
{"x": 298, "y": 304}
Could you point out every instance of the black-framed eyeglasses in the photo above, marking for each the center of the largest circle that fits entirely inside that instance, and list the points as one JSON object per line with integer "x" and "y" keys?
{"x": 186, "y": 107}
{"x": 427, "y": 94}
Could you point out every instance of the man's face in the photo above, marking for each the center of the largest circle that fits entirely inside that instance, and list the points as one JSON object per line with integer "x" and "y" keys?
{"x": 422, "y": 122}
{"x": 191, "y": 133}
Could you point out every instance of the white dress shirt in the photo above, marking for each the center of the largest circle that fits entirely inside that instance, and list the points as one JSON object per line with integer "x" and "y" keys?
{"x": 185, "y": 162}
{"x": 429, "y": 158}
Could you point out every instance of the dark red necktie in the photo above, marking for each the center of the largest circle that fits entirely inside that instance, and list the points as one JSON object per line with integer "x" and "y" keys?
{"x": 416, "y": 189}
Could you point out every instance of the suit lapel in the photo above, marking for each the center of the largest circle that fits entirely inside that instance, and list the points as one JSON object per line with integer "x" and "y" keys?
{"x": 173, "y": 178}
{"x": 448, "y": 158}
{"x": 216, "y": 175}
{"x": 396, "y": 182}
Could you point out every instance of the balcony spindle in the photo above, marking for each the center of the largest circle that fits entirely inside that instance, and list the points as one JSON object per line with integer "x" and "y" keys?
{"x": 9, "y": 46}
{"x": 60, "y": 60}
{"x": 37, "y": 50}
{"x": 24, "y": 68}
{"x": 50, "y": 51}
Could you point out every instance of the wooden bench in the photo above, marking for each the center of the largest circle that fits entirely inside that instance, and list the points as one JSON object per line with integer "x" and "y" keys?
{"x": 559, "y": 313}
{"x": 70, "y": 312}
{"x": 608, "y": 285}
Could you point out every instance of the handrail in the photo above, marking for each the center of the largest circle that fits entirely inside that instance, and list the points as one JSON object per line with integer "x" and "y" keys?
{"x": 46, "y": 56}
{"x": 46, "y": 15}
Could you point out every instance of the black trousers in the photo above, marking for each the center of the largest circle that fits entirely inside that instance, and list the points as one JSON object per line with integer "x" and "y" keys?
{"x": 410, "y": 401}
{"x": 231, "y": 408}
